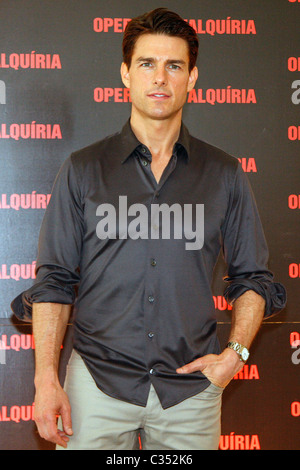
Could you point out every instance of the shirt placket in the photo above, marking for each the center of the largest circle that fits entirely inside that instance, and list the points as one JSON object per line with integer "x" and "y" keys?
{"x": 154, "y": 262}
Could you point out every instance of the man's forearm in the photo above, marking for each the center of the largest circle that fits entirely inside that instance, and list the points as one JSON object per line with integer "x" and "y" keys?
{"x": 49, "y": 326}
{"x": 247, "y": 316}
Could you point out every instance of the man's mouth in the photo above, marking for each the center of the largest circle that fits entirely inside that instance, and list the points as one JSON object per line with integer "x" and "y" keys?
{"x": 158, "y": 95}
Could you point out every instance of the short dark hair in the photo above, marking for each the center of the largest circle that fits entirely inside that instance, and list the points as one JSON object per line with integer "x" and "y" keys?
{"x": 159, "y": 21}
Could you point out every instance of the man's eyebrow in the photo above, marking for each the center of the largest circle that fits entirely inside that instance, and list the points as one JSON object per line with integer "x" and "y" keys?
{"x": 176, "y": 61}
{"x": 152, "y": 59}
{"x": 145, "y": 59}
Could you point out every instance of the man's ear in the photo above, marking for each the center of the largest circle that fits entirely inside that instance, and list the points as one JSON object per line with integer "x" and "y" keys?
{"x": 192, "y": 78}
{"x": 125, "y": 75}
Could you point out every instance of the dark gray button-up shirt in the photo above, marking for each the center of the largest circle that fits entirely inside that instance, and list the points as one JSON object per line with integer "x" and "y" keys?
{"x": 142, "y": 255}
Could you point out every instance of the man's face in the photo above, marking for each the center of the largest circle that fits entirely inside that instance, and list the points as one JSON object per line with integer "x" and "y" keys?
{"x": 159, "y": 77}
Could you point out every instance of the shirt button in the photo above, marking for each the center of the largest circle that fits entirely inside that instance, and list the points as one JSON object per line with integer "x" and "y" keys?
{"x": 153, "y": 262}
{"x": 150, "y": 335}
{"x": 151, "y": 371}
{"x": 145, "y": 162}
{"x": 151, "y": 298}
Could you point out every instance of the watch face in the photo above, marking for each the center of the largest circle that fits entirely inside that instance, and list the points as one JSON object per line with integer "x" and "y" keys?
{"x": 245, "y": 355}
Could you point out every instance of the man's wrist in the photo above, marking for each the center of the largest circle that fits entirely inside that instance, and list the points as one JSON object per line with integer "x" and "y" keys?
{"x": 47, "y": 377}
{"x": 240, "y": 350}
{"x": 231, "y": 359}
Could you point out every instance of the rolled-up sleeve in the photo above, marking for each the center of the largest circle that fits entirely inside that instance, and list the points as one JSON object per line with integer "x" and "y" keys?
{"x": 245, "y": 250}
{"x": 59, "y": 247}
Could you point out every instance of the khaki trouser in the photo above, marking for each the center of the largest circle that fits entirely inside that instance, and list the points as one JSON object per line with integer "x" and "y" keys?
{"x": 101, "y": 422}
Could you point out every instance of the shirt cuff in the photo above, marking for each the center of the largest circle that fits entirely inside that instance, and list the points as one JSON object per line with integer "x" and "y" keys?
{"x": 41, "y": 292}
{"x": 274, "y": 293}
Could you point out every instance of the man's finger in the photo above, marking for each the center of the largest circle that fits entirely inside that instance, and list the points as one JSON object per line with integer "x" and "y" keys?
{"x": 67, "y": 421}
{"x": 190, "y": 367}
{"x": 47, "y": 429}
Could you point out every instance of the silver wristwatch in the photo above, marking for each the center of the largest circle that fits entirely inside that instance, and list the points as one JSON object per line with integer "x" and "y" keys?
{"x": 240, "y": 349}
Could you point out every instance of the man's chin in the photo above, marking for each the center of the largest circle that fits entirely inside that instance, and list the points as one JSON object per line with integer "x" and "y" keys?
{"x": 162, "y": 115}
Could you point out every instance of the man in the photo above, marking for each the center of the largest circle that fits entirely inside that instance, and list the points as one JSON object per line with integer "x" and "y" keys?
{"x": 137, "y": 221}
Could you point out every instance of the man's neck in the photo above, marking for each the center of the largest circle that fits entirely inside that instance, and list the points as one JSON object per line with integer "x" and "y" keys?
{"x": 159, "y": 136}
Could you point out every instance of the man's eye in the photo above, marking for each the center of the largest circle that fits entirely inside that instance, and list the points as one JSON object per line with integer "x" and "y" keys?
{"x": 146, "y": 64}
{"x": 174, "y": 67}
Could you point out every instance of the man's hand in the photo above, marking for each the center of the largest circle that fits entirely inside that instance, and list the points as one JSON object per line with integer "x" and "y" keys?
{"x": 51, "y": 401}
{"x": 219, "y": 369}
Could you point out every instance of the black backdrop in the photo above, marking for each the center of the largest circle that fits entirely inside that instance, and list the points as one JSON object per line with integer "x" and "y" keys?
{"x": 60, "y": 89}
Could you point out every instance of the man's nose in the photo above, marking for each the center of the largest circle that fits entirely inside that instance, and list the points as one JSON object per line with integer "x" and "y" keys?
{"x": 160, "y": 76}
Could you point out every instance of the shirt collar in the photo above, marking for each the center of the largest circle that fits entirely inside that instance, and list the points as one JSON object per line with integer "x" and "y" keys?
{"x": 129, "y": 141}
